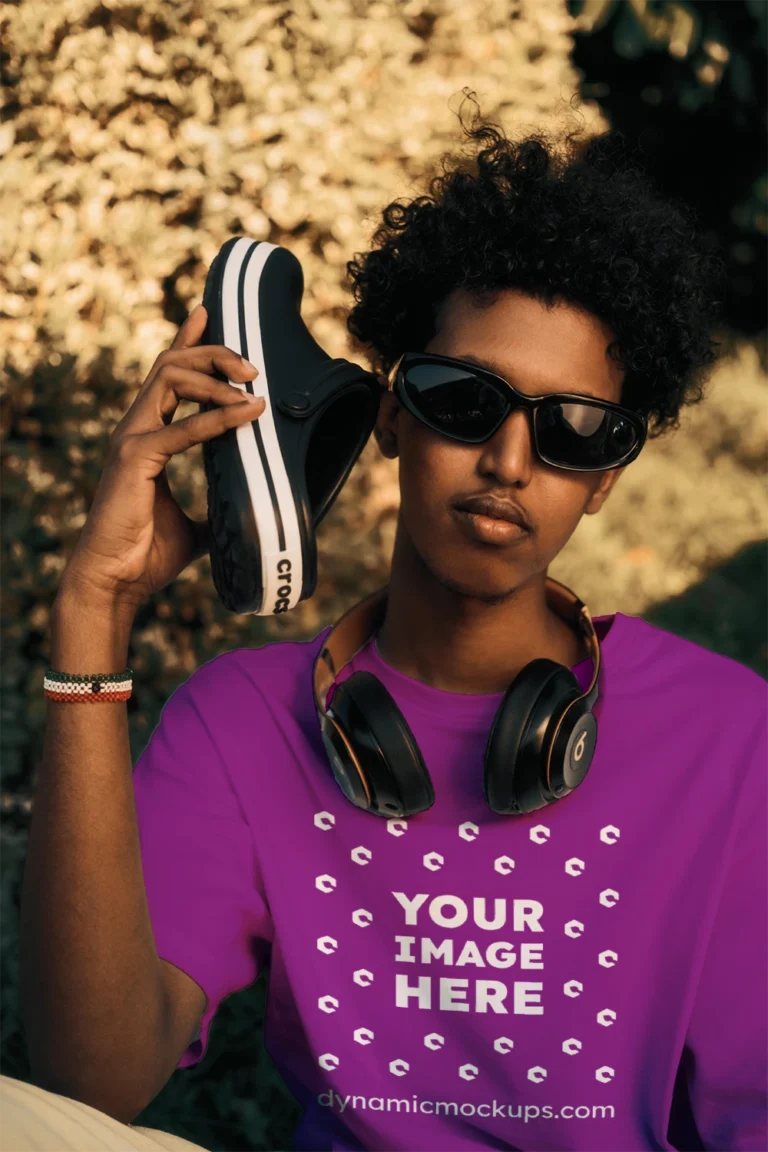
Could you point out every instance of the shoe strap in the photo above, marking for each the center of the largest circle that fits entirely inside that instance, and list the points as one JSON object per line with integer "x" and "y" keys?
{"x": 338, "y": 376}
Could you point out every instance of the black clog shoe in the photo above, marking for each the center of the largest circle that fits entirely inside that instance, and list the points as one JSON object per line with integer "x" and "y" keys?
{"x": 271, "y": 481}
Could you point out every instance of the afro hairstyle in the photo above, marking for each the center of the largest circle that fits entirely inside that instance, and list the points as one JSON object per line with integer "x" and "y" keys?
{"x": 580, "y": 223}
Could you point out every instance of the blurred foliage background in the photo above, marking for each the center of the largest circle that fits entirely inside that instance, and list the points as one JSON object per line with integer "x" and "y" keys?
{"x": 687, "y": 83}
{"x": 136, "y": 137}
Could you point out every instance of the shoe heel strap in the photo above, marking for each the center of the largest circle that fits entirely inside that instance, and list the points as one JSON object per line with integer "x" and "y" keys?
{"x": 337, "y": 376}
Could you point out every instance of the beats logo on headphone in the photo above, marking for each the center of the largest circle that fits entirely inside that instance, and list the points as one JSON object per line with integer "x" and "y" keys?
{"x": 539, "y": 748}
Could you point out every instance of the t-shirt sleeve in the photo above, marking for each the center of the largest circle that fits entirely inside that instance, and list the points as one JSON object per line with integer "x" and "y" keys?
{"x": 208, "y": 910}
{"x": 726, "y": 1041}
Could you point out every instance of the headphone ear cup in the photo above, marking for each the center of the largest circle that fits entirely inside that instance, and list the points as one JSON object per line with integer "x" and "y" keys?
{"x": 573, "y": 749}
{"x": 384, "y": 745}
{"x": 515, "y": 754}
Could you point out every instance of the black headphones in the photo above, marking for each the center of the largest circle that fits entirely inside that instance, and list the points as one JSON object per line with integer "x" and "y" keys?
{"x": 539, "y": 748}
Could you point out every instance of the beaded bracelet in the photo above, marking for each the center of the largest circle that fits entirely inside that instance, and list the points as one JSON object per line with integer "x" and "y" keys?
{"x": 72, "y": 688}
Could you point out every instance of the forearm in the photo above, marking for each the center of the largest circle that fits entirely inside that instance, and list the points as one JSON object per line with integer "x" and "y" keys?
{"x": 91, "y": 985}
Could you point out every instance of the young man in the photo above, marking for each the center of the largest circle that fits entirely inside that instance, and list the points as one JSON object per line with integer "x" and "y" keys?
{"x": 464, "y": 979}
{"x": 588, "y": 972}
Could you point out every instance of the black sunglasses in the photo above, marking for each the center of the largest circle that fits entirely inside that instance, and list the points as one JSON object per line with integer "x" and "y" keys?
{"x": 469, "y": 404}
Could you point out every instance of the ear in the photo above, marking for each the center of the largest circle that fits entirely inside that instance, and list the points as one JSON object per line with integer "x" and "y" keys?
{"x": 385, "y": 429}
{"x": 600, "y": 495}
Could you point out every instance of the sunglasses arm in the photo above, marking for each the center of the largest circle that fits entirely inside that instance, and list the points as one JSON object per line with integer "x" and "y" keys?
{"x": 392, "y": 376}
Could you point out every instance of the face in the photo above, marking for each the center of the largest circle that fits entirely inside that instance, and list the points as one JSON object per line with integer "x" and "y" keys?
{"x": 539, "y": 350}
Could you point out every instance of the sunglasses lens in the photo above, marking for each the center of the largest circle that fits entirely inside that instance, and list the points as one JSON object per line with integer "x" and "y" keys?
{"x": 454, "y": 401}
{"x": 583, "y": 435}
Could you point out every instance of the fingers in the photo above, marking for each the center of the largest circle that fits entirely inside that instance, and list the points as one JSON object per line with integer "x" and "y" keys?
{"x": 192, "y": 329}
{"x": 187, "y": 371}
{"x": 187, "y": 374}
{"x": 187, "y": 336}
{"x": 177, "y": 382}
{"x": 182, "y": 434}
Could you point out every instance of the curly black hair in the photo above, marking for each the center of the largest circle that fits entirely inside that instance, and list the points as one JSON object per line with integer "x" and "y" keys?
{"x": 582, "y": 224}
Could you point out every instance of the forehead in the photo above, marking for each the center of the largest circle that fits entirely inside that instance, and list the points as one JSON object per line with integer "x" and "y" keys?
{"x": 538, "y": 348}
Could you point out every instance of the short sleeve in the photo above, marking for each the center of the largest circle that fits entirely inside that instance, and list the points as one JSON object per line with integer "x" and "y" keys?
{"x": 727, "y": 1040}
{"x": 207, "y": 907}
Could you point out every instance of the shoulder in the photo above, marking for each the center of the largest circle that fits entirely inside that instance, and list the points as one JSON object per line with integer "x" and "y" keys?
{"x": 683, "y": 670}
{"x": 280, "y": 671}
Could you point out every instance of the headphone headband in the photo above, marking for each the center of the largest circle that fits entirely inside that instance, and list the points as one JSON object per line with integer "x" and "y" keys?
{"x": 360, "y": 622}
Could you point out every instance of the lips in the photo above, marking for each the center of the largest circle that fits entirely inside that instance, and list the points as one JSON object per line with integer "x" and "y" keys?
{"x": 495, "y": 509}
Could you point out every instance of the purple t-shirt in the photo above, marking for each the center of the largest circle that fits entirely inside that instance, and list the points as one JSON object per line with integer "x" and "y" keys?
{"x": 593, "y": 975}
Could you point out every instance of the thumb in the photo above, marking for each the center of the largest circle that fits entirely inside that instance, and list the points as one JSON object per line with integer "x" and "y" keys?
{"x": 192, "y": 329}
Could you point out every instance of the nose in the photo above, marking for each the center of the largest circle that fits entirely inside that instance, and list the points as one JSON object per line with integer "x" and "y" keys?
{"x": 509, "y": 454}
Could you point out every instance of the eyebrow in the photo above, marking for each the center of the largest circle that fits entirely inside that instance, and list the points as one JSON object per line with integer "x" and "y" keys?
{"x": 499, "y": 370}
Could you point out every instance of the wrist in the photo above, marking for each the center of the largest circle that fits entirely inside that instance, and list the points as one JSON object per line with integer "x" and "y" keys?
{"x": 78, "y": 596}
{"x": 89, "y": 634}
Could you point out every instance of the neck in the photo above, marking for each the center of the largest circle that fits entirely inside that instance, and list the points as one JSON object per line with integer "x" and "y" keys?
{"x": 458, "y": 643}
